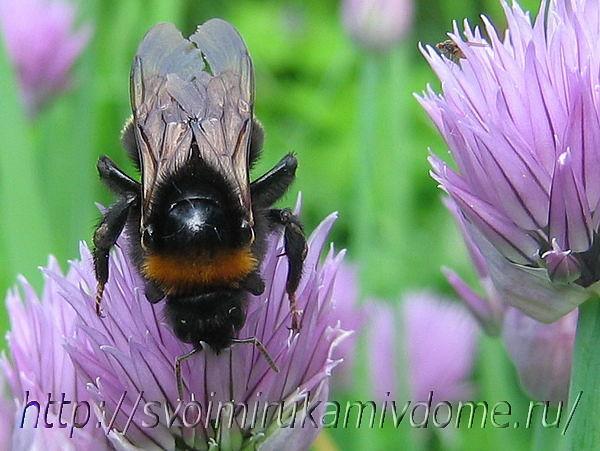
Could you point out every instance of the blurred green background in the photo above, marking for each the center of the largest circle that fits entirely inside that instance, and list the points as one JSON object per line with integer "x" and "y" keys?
{"x": 312, "y": 99}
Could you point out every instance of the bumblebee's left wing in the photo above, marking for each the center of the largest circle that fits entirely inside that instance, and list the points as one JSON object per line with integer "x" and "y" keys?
{"x": 198, "y": 91}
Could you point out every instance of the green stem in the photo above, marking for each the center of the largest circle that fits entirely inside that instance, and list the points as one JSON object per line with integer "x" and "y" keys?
{"x": 398, "y": 173}
{"x": 366, "y": 223}
{"x": 583, "y": 430}
{"x": 495, "y": 384}
{"x": 544, "y": 438}
{"x": 385, "y": 161}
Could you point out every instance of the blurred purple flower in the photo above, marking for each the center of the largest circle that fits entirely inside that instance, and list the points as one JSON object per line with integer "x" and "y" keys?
{"x": 42, "y": 46}
{"x": 377, "y": 24}
{"x": 351, "y": 316}
{"x": 382, "y": 350}
{"x": 132, "y": 351}
{"x": 441, "y": 345}
{"x": 542, "y": 353}
{"x": 39, "y": 365}
{"x": 437, "y": 345}
{"x": 520, "y": 115}
{"x": 7, "y": 413}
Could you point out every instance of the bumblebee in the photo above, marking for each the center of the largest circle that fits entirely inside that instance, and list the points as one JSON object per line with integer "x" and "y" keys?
{"x": 197, "y": 226}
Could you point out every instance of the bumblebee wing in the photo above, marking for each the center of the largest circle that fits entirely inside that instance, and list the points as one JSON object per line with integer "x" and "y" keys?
{"x": 223, "y": 135}
{"x": 198, "y": 90}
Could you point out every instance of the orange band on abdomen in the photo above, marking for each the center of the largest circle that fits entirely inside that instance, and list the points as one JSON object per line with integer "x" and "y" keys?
{"x": 175, "y": 274}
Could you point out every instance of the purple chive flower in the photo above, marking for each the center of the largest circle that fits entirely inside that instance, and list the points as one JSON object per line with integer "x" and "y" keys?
{"x": 377, "y": 24}
{"x": 542, "y": 353}
{"x": 486, "y": 308}
{"x": 42, "y": 45}
{"x": 520, "y": 115}
{"x": 38, "y": 364}
{"x": 351, "y": 316}
{"x": 434, "y": 337}
{"x": 127, "y": 359}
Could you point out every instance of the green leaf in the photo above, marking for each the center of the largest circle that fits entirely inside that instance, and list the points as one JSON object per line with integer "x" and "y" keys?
{"x": 584, "y": 396}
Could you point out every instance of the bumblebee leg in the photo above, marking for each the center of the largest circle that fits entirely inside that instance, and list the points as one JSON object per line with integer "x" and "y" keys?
{"x": 261, "y": 348}
{"x": 295, "y": 250}
{"x": 153, "y": 292}
{"x": 105, "y": 237}
{"x": 269, "y": 188}
{"x": 116, "y": 180}
{"x": 178, "y": 361}
{"x": 256, "y": 141}
{"x": 253, "y": 283}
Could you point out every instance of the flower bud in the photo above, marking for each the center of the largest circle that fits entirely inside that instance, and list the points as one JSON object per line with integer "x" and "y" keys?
{"x": 42, "y": 46}
{"x": 377, "y": 24}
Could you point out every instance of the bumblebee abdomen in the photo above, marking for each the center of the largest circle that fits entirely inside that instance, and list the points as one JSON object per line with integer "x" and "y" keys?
{"x": 211, "y": 317}
{"x": 180, "y": 274}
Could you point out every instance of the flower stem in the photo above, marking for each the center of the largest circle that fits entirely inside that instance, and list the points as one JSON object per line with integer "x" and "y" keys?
{"x": 365, "y": 216}
{"x": 384, "y": 176}
{"x": 584, "y": 396}
{"x": 495, "y": 386}
{"x": 547, "y": 439}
